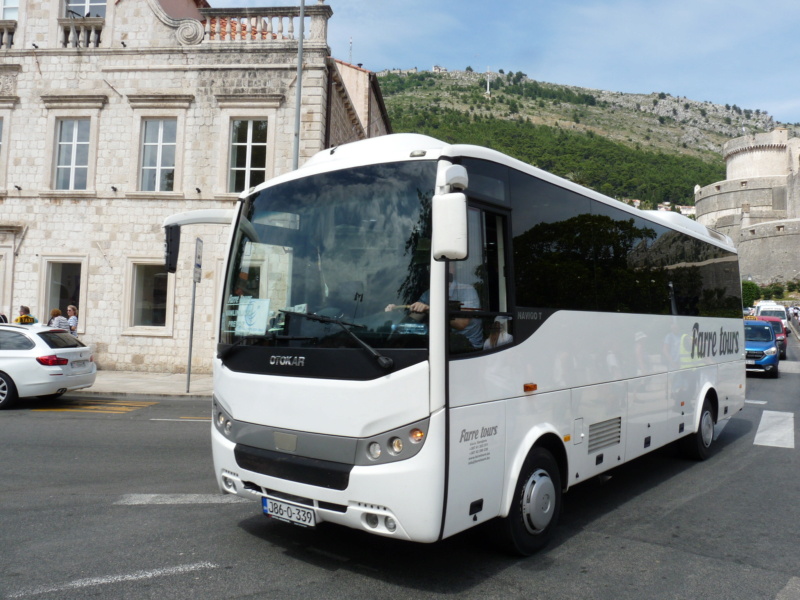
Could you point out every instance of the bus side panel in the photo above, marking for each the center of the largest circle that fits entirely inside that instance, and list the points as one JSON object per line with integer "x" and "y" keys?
{"x": 599, "y": 431}
{"x": 528, "y": 418}
{"x": 730, "y": 389}
{"x": 651, "y": 415}
{"x": 477, "y": 464}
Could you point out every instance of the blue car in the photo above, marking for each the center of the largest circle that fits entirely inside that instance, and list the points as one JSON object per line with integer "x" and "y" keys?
{"x": 761, "y": 349}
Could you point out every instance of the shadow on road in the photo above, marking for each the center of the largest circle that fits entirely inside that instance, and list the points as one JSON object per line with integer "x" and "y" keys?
{"x": 469, "y": 559}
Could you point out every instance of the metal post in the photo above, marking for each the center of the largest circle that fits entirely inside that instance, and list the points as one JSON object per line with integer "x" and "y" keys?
{"x": 296, "y": 157}
{"x": 191, "y": 337}
{"x": 196, "y": 277}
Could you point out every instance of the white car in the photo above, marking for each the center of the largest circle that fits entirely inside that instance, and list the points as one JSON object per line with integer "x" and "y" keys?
{"x": 42, "y": 361}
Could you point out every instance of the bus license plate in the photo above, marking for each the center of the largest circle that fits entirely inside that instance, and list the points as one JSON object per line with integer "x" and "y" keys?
{"x": 291, "y": 513}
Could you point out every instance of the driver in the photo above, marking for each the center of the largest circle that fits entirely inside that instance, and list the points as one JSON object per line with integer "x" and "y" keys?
{"x": 465, "y": 297}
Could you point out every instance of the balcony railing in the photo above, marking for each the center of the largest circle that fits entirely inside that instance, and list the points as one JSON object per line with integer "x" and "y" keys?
{"x": 84, "y": 32}
{"x": 7, "y": 29}
{"x": 272, "y": 24}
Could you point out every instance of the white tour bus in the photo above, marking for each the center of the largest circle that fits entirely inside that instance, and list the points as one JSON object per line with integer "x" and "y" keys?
{"x": 417, "y": 338}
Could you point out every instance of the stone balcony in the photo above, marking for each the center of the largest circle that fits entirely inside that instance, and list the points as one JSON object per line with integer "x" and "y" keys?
{"x": 272, "y": 25}
{"x": 84, "y": 32}
{"x": 7, "y": 29}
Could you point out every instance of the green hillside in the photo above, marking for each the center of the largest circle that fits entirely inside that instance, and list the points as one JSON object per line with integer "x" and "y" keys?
{"x": 654, "y": 148}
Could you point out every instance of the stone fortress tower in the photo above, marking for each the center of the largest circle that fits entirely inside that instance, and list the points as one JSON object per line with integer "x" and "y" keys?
{"x": 758, "y": 205}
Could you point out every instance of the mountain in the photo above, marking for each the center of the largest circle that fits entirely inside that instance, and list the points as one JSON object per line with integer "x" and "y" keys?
{"x": 651, "y": 147}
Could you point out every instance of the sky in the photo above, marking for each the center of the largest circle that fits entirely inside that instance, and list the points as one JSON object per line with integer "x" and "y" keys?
{"x": 736, "y": 52}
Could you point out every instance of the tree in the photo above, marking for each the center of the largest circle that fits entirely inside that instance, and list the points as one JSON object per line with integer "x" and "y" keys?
{"x": 750, "y": 293}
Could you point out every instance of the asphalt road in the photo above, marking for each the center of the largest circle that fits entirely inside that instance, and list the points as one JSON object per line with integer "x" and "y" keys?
{"x": 104, "y": 498}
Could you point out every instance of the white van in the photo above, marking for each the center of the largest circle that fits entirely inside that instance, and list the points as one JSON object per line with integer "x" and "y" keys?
{"x": 771, "y": 309}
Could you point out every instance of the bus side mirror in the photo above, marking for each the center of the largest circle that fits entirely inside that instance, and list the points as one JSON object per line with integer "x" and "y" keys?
{"x": 449, "y": 239}
{"x": 172, "y": 244}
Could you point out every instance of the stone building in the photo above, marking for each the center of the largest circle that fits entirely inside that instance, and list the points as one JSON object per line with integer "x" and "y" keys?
{"x": 758, "y": 204}
{"x": 117, "y": 113}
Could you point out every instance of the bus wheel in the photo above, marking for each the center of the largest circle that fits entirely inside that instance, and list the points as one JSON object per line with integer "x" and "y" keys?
{"x": 698, "y": 445}
{"x": 535, "y": 506}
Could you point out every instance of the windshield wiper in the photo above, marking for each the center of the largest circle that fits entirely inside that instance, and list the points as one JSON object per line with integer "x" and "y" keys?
{"x": 384, "y": 361}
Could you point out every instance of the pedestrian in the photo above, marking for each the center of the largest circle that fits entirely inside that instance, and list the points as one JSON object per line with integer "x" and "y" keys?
{"x": 25, "y": 316}
{"x": 3, "y": 318}
{"x": 72, "y": 313}
{"x": 57, "y": 320}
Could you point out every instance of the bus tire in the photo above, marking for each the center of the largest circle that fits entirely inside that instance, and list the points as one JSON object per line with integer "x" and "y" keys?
{"x": 697, "y": 446}
{"x": 535, "y": 506}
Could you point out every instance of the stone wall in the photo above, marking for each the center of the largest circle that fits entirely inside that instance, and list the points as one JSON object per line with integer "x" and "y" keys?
{"x": 758, "y": 205}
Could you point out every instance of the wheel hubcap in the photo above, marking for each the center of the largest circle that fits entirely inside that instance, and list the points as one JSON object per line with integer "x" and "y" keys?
{"x": 538, "y": 502}
{"x": 707, "y": 429}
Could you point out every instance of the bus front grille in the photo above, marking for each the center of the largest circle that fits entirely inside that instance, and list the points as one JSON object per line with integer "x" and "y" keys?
{"x": 313, "y": 471}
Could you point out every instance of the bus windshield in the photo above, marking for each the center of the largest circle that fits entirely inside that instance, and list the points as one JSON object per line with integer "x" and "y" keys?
{"x": 317, "y": 256}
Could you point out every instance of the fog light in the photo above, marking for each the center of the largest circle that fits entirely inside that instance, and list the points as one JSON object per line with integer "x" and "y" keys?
{"x": 396, "y": 445}
{"x": 228, "y": 484}
{"x": 390, "y": 524}
{"x": 372, "y": 520}
{"x": 374, "y": 450}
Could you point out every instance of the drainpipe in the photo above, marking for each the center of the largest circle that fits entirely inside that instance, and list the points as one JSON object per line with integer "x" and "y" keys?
{"x": 296, "y": 157}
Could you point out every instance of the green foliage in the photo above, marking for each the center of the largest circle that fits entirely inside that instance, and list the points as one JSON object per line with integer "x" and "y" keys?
{"x": 777, "y": 290}
{"x": 393, "y": 83}
{"x": 616, "y": 169}
{"x": 750, "y": 293}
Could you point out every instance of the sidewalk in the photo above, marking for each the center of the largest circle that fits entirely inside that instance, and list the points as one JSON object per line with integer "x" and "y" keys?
{"x": 148, "y": 385}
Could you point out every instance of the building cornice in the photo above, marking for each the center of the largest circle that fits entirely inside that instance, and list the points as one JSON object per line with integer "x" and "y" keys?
{"x": 160, "y": 100}
{"x": 96, "y": 101}
{"x": 250, "y": 100}
{"x": 8, "y": 101}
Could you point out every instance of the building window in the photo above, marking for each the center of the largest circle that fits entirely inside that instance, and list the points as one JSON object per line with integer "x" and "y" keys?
{"x": 158, "y": 155}
{"x": 149, "y": 295}
{"x": 72, "y": 160}
{"x": 248, "y": 165}
{"x": 64, "y": 281}
{"x": 9, "y": 10}
{"x": 63, "y": 286}
{"x": 86, "y": 8}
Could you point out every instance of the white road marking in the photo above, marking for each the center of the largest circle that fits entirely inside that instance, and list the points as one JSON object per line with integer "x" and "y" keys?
{"x": 142, "y": 499}
{"x": 755, "y": 401}
{"x": 776, "y": 429}
{"x": 189, "y": 420}
{"x": 791, "y": 591}
{"x": 95, "y": 581}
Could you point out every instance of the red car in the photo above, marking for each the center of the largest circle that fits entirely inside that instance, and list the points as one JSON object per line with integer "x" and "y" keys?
{"x": 780, "y": 333}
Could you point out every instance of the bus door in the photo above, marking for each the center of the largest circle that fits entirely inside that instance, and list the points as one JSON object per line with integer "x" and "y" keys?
{"x": 480, "y": 333}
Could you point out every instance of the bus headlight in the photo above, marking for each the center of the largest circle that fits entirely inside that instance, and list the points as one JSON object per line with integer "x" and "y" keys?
{"x": 399, "y": 444}
{"x": 222, "y": 421}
